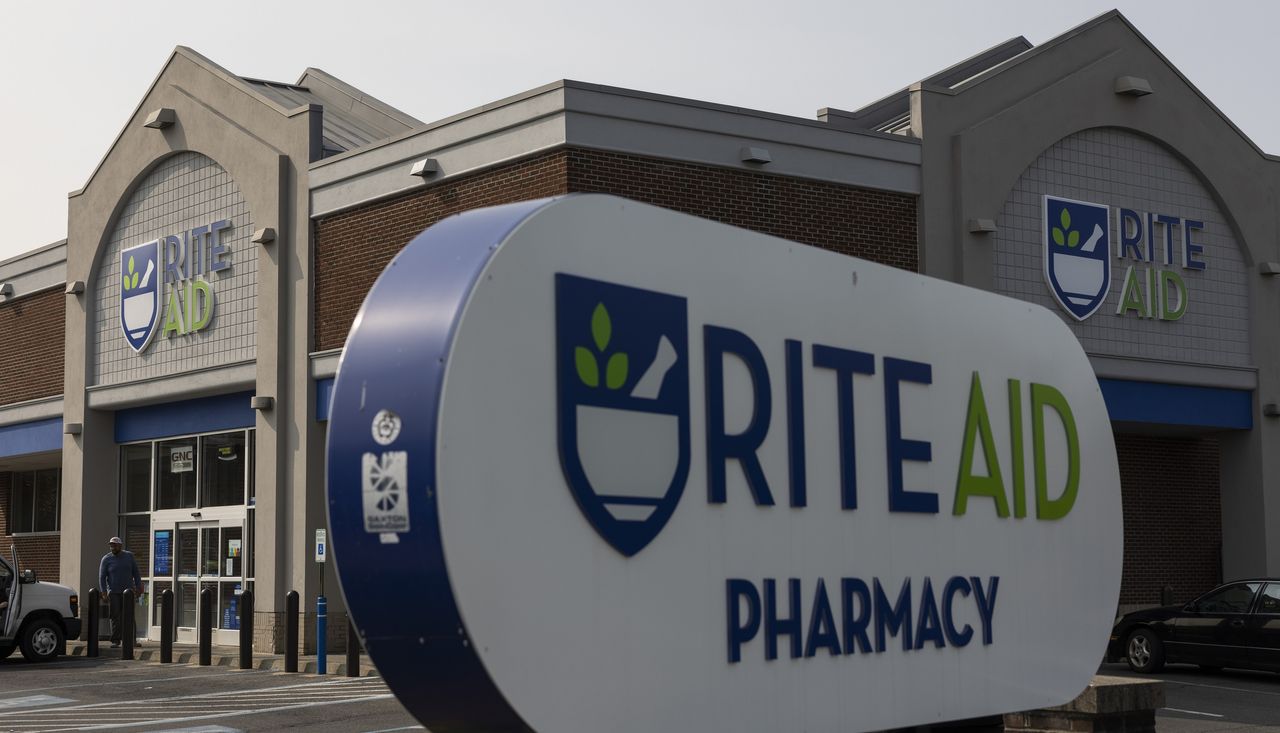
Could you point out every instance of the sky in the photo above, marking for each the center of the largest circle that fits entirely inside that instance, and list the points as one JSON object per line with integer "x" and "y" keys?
{"x": 75, "y": 71}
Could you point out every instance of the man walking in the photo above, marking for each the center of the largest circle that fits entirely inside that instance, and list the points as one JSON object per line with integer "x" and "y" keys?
{"x": 117, "y": 573}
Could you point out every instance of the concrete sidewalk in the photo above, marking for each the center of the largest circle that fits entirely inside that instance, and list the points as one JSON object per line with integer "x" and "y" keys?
{"x": 227, "y": 656}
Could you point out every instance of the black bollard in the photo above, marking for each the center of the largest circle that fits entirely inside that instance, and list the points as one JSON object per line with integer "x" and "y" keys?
{"x": 166, "y": 626}
{"x": 126, "y": 625}
{"x": 291, "y": 631}
{"x": 246, "y": 630}
{"x": 353, "y": 649}
{"x": 206, "y": 627}
{"x": 91, "y": 619}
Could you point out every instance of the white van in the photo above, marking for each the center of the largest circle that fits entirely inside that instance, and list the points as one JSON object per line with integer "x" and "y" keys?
{"x": 39, "y": 617}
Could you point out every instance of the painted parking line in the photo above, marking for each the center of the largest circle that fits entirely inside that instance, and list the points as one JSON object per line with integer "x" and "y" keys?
{"x": 191, "y": 708}
{"x": 1192, "y": 712}
{"x": 31, "y": 701}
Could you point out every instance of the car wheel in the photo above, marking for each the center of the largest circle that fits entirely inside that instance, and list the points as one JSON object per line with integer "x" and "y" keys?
{"x": 1144, "y": 652}
{"x": 40, "y": 640}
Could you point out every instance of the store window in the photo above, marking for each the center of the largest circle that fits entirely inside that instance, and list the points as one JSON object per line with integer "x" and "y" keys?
{"x": 176, "y": 479}
{"x": 223, "y": 458}
{"x": 35, "y": 501}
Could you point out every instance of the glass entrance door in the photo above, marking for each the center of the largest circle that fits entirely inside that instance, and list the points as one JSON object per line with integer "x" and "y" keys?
{"x": 189, "y": 557}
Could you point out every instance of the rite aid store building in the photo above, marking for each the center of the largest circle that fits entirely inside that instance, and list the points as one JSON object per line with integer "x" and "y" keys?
{"x": 167, "y": 368}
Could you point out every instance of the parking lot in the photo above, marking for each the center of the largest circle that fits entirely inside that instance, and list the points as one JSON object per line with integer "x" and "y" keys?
{"x": 75, "y": 693}
{"x": 1197, "y": 701}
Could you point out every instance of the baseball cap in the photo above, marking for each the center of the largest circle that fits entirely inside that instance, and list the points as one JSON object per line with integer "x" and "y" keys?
{"x": 115, "y": 541}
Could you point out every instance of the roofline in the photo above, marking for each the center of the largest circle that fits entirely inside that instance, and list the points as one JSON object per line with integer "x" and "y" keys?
{"x": 364, "y": 98}
{"x": 33, "y": 252}
{"x": 606, "y": 89}
{"x": 1088, "y": 25}
{"x": 213, "y": 68}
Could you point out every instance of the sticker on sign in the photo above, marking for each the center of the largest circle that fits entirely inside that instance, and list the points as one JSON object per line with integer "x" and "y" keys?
{"x": 713, "y": 480}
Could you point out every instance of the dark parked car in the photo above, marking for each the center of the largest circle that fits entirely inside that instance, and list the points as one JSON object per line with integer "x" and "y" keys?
{"x": 1233, "y": 625}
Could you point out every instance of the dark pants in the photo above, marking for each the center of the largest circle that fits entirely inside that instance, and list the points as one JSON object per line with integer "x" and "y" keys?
{"x": 116, "y": 601}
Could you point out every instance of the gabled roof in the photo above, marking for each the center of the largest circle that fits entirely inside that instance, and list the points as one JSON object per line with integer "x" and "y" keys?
{"x": 892, "y": 114}
{"x": 351, "y": 118}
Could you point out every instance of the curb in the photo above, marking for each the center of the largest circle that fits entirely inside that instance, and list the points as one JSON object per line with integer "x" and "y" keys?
{"x": 231, "y": 660}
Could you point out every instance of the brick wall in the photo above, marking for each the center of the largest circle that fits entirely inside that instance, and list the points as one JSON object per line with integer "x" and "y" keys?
{"x": 1172, "y": 516}
{"x": 353, "y": 247}
{"x": 37, "y": 552}
{"x": 874, "y": 225}
{"x": 32, "y": 329}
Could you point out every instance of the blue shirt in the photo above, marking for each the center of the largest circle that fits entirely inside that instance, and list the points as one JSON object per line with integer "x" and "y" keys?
{"x": 118, "y": 573}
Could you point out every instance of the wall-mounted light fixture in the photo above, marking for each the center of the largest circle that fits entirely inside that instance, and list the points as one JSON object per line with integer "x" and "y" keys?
{"x": 755, "y": 155}
{"x": 1271, "y": 409}
{"x": 72, "y": 428}
{"x": 160, "y": 119}
{"x": 266, "y": 235}
{"x": 982, "y": 226}
{"x": 425, "y": 168}
{"x": 75, "y": 287}
{"x": 262, "y": 403}
{"x": 1269, "y": 268}
{"x": 1132, "y": 86}
{"x": 6, "y": 290}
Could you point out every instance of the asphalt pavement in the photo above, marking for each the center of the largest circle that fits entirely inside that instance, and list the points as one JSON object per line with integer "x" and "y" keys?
{"x": 107, "y": 693}
{"x": 1204, "y": 702}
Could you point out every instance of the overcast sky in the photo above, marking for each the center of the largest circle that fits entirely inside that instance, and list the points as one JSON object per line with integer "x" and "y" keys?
{"x": 74, "y": 71}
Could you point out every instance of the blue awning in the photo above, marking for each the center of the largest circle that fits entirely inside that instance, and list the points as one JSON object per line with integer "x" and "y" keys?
{"x": 1177, "y": 404}
{"x": 40, "y": 436}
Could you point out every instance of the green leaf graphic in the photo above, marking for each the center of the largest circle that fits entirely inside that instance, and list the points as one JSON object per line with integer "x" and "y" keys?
{"x": 588, "y": 372}
{"x": 130, "y": 264}
{"x": 615, "y": 374}
{"x": 1073, "y": 239}
{"x": 601, "y": 328}
{"x": 133, "y": 281}
{"x": 1057, "y": 237}
{"x": 1065, "y": 219}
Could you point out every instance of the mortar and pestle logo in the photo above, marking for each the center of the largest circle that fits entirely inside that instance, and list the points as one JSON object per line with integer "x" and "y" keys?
{"x": 139, "y": 294}
{"x": 623, "y": 439}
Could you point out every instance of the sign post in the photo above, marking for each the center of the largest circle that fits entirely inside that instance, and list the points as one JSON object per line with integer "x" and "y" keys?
{"x": 712, "y": 480}
{"x": 322, "y": 605}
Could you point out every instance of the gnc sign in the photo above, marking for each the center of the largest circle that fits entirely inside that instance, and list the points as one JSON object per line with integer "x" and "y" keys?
{"x": 650, "y": 472}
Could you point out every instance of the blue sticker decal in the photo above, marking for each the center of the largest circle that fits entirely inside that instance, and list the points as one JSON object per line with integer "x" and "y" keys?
{"x": 140, "y": 293}
{"x": 1077, "y": 254}
{"x": 623, "y": 404}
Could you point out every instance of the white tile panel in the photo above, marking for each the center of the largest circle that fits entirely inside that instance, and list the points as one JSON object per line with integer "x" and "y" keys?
{"x": 185, "y": 191}
{"x": 1125, "y": 170}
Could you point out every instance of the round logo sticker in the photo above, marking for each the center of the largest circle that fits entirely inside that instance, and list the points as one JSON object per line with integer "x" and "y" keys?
{"x": 386, "y": 427}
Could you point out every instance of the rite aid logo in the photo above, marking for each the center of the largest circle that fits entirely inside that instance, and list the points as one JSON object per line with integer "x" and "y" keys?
{"x": 623, "y": 393}
{"x": 183, "y": 262}
{"x": 1077, "y": 263}
{"x": 140, "y": 293}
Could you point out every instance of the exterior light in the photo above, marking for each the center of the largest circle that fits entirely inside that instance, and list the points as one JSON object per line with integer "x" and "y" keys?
{"x": 262, "y": 403}
{"x": 1132, "y": 86}
{"x": 161, "y": 118}
{"x": 755, "y": 155}
{"x": 75, "y": 287}
{"x": 266, "y": 235}
{"x": 72, "y": 428}
{"x": 425, "y": 168}
{"x": 982, "y": 226}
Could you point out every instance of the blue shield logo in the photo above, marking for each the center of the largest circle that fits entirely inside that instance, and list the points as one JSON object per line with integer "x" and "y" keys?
{"x": 140, "y": 293}
{"x": 1077, "y": 254}
{"x": 623, "y": 392}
